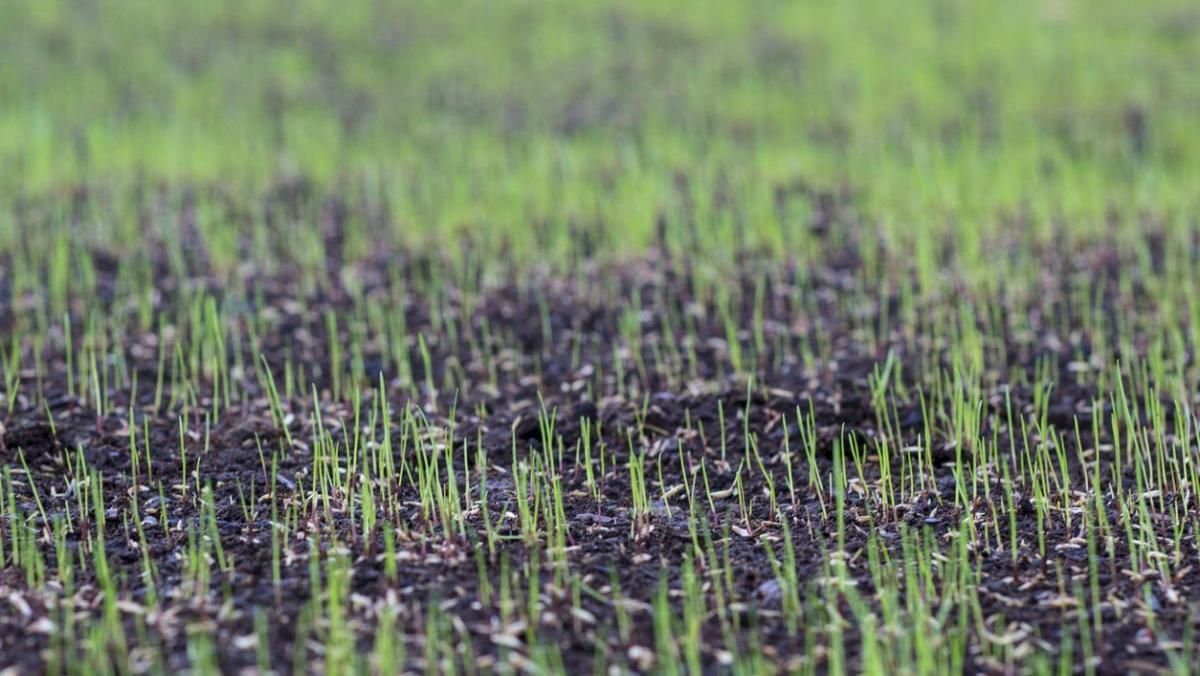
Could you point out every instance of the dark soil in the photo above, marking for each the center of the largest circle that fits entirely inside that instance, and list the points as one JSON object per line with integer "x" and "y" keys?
{"x": 546, "y": 342}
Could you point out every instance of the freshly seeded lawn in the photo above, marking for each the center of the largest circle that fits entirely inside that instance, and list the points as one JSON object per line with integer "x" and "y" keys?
{"x": 650, "y": 337}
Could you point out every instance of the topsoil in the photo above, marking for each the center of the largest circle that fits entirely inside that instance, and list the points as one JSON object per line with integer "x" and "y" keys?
{"x": 573, "y": 375}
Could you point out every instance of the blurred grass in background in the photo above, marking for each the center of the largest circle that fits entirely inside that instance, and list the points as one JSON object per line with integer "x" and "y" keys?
{"x": 708, "y": 124}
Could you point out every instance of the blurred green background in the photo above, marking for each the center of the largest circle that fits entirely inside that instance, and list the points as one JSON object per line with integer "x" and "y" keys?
{"x": 943, "y": 117}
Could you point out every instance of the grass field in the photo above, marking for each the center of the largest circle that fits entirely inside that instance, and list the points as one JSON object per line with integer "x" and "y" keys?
{"x": 651, "y": 337}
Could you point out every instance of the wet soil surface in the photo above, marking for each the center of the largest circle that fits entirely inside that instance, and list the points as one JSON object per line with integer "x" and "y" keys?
{"x": 637, "y": 360}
